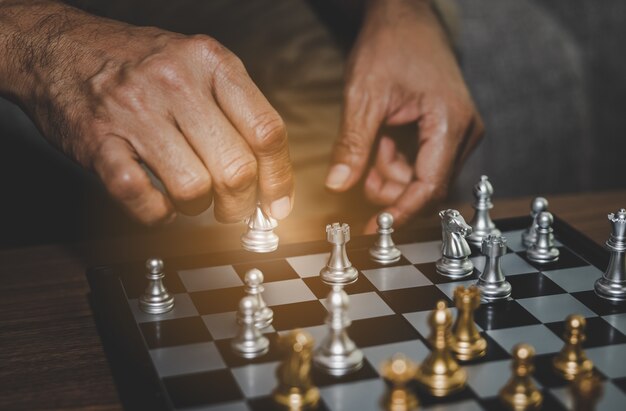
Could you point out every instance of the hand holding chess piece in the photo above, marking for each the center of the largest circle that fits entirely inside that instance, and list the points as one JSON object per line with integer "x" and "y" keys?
{"x": 295, "y": 390}
{"x": 467, "y": 343}
{"x": 260, "y": 236}
{"x": 440, "y": 374}
{"x": 455, "y": 250}
{"x": 520, "y": 393}
{"x": 571, "y": 360}
{"x": 399, "y": 371}
{"x": 612, "y": 285}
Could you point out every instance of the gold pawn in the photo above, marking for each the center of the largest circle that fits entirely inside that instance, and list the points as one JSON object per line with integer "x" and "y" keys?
{"x": 295, "y": 389}
{"x": 587, "y": 390}
{"x": 467, "y": 343}
{"x": 399, "y": 371}
{"x": 571, "y": 360}
{"x": 440, "y": 374}
{"x": 520, "y": 393}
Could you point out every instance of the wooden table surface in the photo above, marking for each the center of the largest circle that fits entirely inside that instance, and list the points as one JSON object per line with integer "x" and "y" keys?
{"x": 50, "y": 353}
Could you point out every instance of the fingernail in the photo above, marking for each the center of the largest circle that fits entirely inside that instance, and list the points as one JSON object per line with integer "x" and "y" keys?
{"x": 281, "y": 208}
{"x": 337, "y": 176}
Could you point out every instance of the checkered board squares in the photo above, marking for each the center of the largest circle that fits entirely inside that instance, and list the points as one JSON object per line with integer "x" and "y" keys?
{"x": 187, "y": 351}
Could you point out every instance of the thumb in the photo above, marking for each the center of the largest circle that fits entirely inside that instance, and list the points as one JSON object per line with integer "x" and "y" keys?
{"x": 359, "y": 124}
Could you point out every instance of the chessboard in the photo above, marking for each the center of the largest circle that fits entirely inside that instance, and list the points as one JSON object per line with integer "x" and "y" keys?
{"x": 182, "y": 360}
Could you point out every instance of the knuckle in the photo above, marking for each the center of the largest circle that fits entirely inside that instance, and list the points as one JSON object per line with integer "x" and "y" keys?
{"x": 351, "y": 143}
{"x": 192, "y": 188}
{"x": 126, "y": 185}
{"x": 130, "y": 95}
{"x": 239, "y": 173}
{"x": 269, "y": 131}
{"x": 167, "y": 72}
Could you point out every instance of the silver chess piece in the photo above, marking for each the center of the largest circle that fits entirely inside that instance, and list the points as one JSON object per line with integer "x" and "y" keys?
{"x": 338, "y": 269}
{"x": 543, "y": 250}
{"x": 249, "y": 342}
{"x": 260, "y": 236}
{"x": 155, "y": 299}
{"x": 481, "y": 223}
{"x": 492, "y": 281}
{"x": 254, "y": 288}
{"x": 338, "y": 354}
{"x": 612, "y": 284}
{"x": 529, "y": 236}
{"x": 455, "y": 250}
{"x": 384, "y": 250}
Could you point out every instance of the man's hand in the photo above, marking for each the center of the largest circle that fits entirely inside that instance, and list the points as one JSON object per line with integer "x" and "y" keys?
{"x": 402, "y": 70}
{"x": 118, "y": 98}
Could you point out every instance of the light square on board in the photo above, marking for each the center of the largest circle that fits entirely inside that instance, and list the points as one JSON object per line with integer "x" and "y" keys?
{"x": 609, "y": 359}
{"x": 618, "y": 321}
{"x": 361, "y": 395}
{"x": 612, "y": 397}
{"x": 486, "y": 379}
{"x": 256, "y": 380}
{"x": 183, "y": 307}
{"x": 512, "y": 264}
{"x": 425, "y": 252}
{"x": 414, "y": 350}
{"x": 365, "y": 305}
{"x": 287, "y": 292}
{"x": 575, "y": 279}
{"x": 308, "y": 265}
{"x": 448, "y": 288}
{"x": 224, "y": 325}
{"x": 419, "y": 320}
{"x": 392, "y": 278}
{"x": 209, "y": 278}
{"x": 186, "y": 359}
{"x": 552, "y": 308}
{"x": 537, "y": 335}
{"x": 514, "y": 240}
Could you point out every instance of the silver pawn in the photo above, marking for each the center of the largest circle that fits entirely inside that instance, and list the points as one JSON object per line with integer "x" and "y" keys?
{"x": 529, "y": 236}
{"x": 337, "y": 354}
{"x": 254, "y": 288}
{"x": 492, "y": 281}
{"x": 481, "y": 223}
{"x": 155, "y": 299}
{"x": 455, "y": 262}
{"x": 384, "y": 250}
{"x": 338, "y": 269}
{"x": 249, "y": 342}
{"x": 260, "y": 236}
{"x": 612, "y": 285}
{"x": 543, "y": 250}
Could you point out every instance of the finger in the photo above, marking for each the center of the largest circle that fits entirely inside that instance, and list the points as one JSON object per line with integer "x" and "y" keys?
{"x": 263, "y": 129}
{"x": 380, "y": 191}
{"x": 361, "y": 119}
{"x": 116, "y": 164}
{"x": 168, "y": 154}
{"x": 228, "y": 157}
{"x": 391, "y": 164}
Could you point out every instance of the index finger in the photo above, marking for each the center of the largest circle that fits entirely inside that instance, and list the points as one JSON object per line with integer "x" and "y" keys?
{"x": 263, "y": 129}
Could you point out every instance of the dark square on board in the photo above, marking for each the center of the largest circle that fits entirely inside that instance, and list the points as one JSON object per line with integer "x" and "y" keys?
{"x": 503, "y": 314}
{"x": 598, "y": 332}
{"x": 266, "y": 403}
{"x": 233, "y": 360}
{"x": 567, "y": 259}
{"x": 362, "y": 260}
{"x": 532, "y": 285}
{"x": 273, "y": 270}
{"x": 321, "y": 290}
{"x": 430, "y": 271}
{"x": 204, "y": 388}
{"x": 217, "y": 301}
{"x": 179, "y": 331}
{"x": 322, "y": 378}
{"x": 298, "y": 315}
{"x": 599, "y": 305}
{"x": 135, "y": 282}
{"x": 381, "y": 330}
{"x": 406, "y": 300}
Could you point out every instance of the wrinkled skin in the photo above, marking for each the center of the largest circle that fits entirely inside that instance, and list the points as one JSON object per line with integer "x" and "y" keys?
{"x": 402, "y": 70}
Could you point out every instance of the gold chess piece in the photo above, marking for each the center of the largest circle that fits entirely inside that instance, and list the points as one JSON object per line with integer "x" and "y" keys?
{"x": 586, "y": 390}
{"x": 295, "y": 389}
{"x": 520, "y": 393}
{"x": 467, "y": 343}
{"x": 399, "y": 370}
{"x": 440, "y": 374}
{"x": 572, "y": 360}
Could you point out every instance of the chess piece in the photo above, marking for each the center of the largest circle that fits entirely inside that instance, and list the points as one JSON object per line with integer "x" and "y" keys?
{"x": 338, "y": 269}
{"x": 612, "y": 284}
{"x": 399, "y": 371}
{"x": 492, "y": 282}
{"x": 586, "y": 391}
{"x": 337, "y": 354}
{"x": 520, "y": 393}
{"x": 295, "y": 390}
{"x": 481, "y": 223}
{"x": 440, "y": 374}
{"x": 543, "y": 250}
{"x": 155, "y": 299}
{"x": 455, "y": 262}
{"x": 249, "y": 342}
{"x": 571, "y": 360}
{"x": 254, "y": 287}
{"x": 260, "y": 236}
{"x": 467, "y": 343}
{"x": 384, "y": 250}
{"x": 529, "y": 236}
